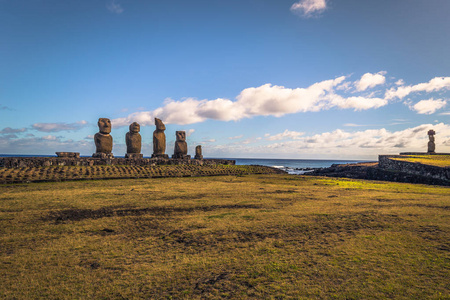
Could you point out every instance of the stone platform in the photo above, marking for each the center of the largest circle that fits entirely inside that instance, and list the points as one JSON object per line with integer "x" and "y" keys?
{"x": 22, "y": 162}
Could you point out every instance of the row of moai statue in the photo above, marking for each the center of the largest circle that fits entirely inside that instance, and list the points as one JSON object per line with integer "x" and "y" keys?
{"x": 104, "y": 142}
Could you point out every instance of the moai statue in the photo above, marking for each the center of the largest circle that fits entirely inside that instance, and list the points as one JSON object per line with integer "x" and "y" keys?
{"x": 198, "y": 152}
{"x": 181, "y": 146}
{"x": 103, "y": 139}
{"x": 133, "y": 140}
{"x": 431, "y": 145}
{"x": 159, "y": 140}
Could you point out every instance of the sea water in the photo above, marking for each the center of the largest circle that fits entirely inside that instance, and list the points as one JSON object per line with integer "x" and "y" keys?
{"x": 294, "y": 166}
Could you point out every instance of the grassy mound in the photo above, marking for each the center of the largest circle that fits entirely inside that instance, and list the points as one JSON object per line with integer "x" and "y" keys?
{"x": 258, "y": 236}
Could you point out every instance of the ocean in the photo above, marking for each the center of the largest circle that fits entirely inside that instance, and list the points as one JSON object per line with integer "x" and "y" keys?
{"x": 292, "y": 166}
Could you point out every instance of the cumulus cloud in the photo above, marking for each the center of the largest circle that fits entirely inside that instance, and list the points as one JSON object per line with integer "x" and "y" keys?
{"x": 114, "y": 7}
{"x": 277, "y": 101}
{"x": 55, "y": 127}
{"x": 370, "y": 80}
{"x": 265, "y": 100}
{"x": 343, "y": 144}
{"x": 429, "y": 106}
{"x": 309, "y": 8}
{"x": 9, "y": 130}
{"x": 435, "y": 84}
{"x": 287, "y": 134}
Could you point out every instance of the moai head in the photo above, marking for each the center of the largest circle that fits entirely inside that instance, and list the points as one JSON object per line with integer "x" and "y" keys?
{"x": 135, "y": 127}
{"x": 159, "y": 125}
{"x": 181, "y": 136}
{"x": 104, "y": 125}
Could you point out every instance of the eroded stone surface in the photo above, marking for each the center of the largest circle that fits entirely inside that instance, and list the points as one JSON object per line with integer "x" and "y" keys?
{"x": 159, "y": 140}
{"x": 180, "y": 150}
{"x": 133, "y": 140}
{"x": 431, "y": 144}
{"x": 68, "y": 154}
{"x": 198, "y": 152}
{"x": 103, "y": 140}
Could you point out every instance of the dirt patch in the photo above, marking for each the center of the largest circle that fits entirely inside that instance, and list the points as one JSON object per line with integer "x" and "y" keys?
{"x": 108, "y": 212}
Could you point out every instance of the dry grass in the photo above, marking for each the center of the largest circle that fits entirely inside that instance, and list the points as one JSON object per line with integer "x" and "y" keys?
{"x": 258, "y": 236}
{"x": 433, "y": 160}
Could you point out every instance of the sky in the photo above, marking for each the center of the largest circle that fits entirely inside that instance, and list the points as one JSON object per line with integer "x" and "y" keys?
{"x": 300, "y": 79}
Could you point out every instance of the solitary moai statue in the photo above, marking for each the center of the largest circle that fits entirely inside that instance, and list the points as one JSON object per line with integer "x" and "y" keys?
{"x": 198, "y": 152}
{"x": 159, "y": 140}
{"x": 431, "y": 145}
{"x": 180, "y": 150}
{"x": 103, "y": 140}
{"x": 133, "y": 140}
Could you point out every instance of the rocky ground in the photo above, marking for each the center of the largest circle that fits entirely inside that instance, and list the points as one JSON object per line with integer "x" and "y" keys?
{"x": 372, "y": 171}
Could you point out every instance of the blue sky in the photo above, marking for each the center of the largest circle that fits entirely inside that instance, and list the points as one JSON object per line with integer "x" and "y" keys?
{"x": 248, "y": 78}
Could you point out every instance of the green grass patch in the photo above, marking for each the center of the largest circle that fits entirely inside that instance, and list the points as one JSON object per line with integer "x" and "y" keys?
{"x": 257, "y": 236}
{"x": 433, "y": 160}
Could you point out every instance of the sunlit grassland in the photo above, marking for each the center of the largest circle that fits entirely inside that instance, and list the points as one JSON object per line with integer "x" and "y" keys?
{"x": 258, "y": 236}
{"x": 433, "y": 160}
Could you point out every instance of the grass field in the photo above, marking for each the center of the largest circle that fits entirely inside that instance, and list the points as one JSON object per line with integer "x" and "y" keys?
{"x": 433, "y": 160}
{"x": 238, "y": 237}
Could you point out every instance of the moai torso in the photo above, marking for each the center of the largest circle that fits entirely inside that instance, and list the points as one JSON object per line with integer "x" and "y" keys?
{"x": 103, "y": 140}
{"x": 159, "y": 138}
{"x": 180, "y": 150}
{"x": 431, "y": 144}
{"x": 198, "y": 152}
{"x": 133, "y": 139}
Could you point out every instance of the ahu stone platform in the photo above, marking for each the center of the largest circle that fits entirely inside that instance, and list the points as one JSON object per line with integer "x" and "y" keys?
{"x": 22, "y": 162}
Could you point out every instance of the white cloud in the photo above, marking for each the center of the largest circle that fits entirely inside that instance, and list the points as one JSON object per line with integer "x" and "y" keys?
{"x": 342, "y": 144}
{"x": 55, "y": 127}
{"x": 114, "y": 7}
{"x": 447, "y": 113}
{"x": 370, "y": 80}
{"x": 429, "y": 106}
{"x": 358, "y": 103}
{"x": 265, "y": 100}
{"x": 353, "y": 125}
{"x": 236, "y": 137}
{"x": 400, "y": 82}
{"x": 190, "y": 132}
{"x": 287, "y": 134}
{"x": 435, "y": 84}
{"x": 309, "y": 8}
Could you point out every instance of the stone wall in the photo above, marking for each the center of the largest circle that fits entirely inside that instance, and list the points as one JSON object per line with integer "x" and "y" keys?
{"x": 21, "y": 162}
{"x": 386, "y": 162}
